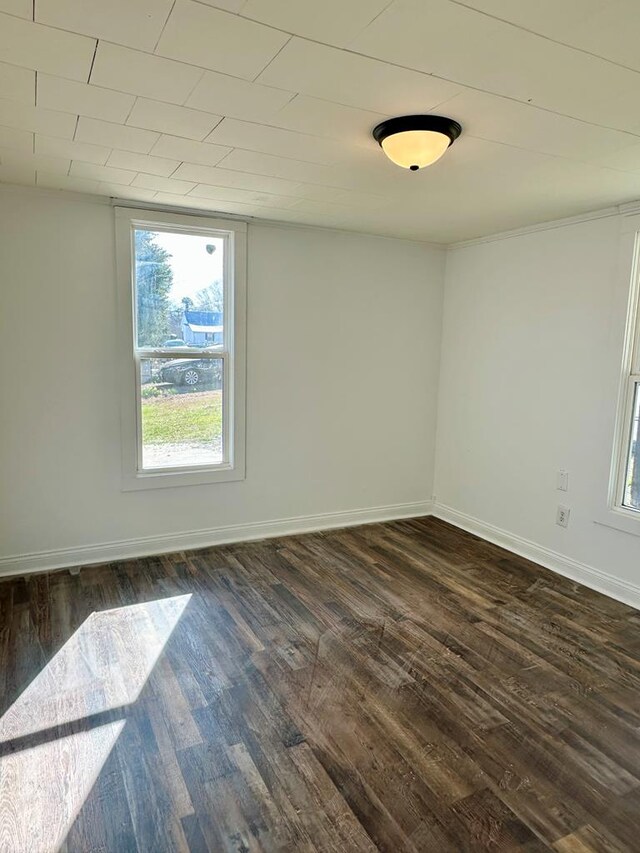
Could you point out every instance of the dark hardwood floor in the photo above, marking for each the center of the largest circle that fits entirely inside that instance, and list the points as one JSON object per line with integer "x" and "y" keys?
{"x": 396, "y": 687}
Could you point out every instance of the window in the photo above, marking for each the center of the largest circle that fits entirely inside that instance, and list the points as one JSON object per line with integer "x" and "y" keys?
{"x": 182, "y": 304}
{"x": 626, "y": 486}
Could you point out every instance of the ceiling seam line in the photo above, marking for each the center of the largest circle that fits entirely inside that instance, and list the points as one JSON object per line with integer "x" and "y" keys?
{"x": 164, "y": 26}
{"x": 191, "y": 91}
{"x": 93, "y": 59}
{"x": 274, "y": 57}
{"x": 375, "y": 17}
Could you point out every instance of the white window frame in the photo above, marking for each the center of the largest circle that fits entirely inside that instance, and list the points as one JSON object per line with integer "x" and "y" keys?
{"x": 232, "y": 352}
{"x": 630, "y": 376}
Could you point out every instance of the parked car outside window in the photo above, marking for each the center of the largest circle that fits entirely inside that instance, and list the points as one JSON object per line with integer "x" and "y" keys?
{"x": 193, "y": 372}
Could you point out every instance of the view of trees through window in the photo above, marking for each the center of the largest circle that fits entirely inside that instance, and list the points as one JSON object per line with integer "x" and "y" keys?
{"x": 179, "y": 301}
{"x": 160, "y": 306}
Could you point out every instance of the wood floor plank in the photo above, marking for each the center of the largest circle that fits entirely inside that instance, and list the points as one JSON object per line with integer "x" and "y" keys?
{"x": 394, "y": 687}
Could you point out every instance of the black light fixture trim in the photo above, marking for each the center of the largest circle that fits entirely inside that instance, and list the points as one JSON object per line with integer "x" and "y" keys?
{"x": 438, "y": 124}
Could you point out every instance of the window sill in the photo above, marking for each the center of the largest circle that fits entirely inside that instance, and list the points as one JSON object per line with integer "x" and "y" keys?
{"x": 174, "y": 479}
{"x": 627, "y": 521}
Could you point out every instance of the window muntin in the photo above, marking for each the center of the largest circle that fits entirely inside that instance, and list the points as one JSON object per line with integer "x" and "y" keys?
{"x": 182, "y": 281}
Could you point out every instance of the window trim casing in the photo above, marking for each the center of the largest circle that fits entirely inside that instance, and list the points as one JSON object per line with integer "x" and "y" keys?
{"x": 629, "y": 377}
{"x": 234, "y": 379}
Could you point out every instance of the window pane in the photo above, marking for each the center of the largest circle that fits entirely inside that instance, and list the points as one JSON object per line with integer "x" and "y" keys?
{"x": 179, "y": 289}
{"x": 181, "y": 412}
{"x": 632, "y": 479}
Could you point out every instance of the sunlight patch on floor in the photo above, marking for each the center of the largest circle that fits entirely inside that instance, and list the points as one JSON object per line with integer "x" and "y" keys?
{"x": 43, "y": 788}
{"x": 102, "y": 667}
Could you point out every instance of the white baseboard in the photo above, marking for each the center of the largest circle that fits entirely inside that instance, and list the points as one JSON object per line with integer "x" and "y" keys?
{"x": 588, "y": 576}
{"x": 145, "y": 546}
{"x": 23, "y": 564}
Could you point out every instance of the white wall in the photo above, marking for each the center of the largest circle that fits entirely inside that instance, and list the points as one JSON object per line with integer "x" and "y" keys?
{"x": 532, "y": 347}
{"x": 343, "y": 358}
{"x": 344, "y": 342}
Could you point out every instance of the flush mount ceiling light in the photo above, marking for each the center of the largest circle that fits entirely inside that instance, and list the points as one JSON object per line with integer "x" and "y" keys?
{"x": 416, "y": 141}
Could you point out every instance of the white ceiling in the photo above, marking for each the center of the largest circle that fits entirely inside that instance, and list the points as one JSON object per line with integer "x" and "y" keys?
{"x": 265, "y": 107}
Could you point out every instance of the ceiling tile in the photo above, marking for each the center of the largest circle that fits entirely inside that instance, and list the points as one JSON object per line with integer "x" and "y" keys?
{"x": 332, "y": 21}
{"x": 164, "y": 185}
{"x": 323, "y": 207}
{"x": 21, "y": 8}
{"x": 525, "y": 126}
{"x": 54, "y": 181}
{"x": 367, "y": 170}
{"x": 128, "y": 192}
{"x": 229, "y": 5}
{"x": 271, "y": 165}
{"x": 115, "y": 135}
{"x": 168, "y": 118}
{"x": 213, "y": 205}
{"x": 323, "y": 118}
{"x": 37, "y": 119}
{"x": 24, "y": 175}
{"x": 243, "y": 196}
{"x": 142, "y": 74}
{"x": 136, "y": 24}
{"x": 221, "y": 177}
{"x": 274, "y": 140}
{"x": 230, "y": 96}
{"x": 346, "y": 78}
{"x": 11, "y": 158}
{"x": 611, "y": 32}
{"x": 549, "y": 17}
{"x": 434, "y": 37}
{"x": 626, "y": 159}
{"x": 553, "y": 77}
{"x": 218, "y": 40}
{"x": 17, "y": 84}
{"x": 185, "y": 149}
{"x": 450, "y": 40}
{"x": 356, "y": 199}
{"x": 607, "y": 28}
{"x": 45, "y": 49}
{"x": 143, "y": 163}
{"x": 82, "y": 151}
{"x": 317, "y": 192}
{"x": 101, "y": 173}
{"x": 68, "y": 96}
{"x": 21, "y": 140}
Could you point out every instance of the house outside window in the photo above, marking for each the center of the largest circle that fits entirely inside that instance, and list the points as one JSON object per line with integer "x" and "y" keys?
{"x": 200, "y": 328}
